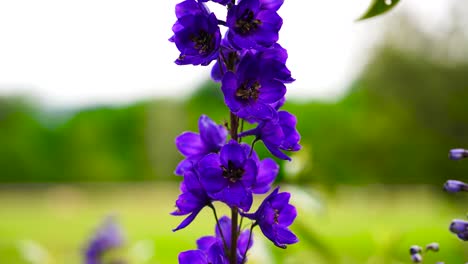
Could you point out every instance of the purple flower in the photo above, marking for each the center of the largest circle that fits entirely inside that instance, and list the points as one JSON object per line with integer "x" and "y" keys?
{"x": 455, "y": 186}
{"x": 432, "y": 247}
{"x": 267, "y": 171}
{"x": 277, "y": 135}
{"x": 274, "y": 216}
{"x": 460, "y": 228}
{"x": 457, "y": 154}
{"x": 254, "y": 23}
{"x": 107, "y": 237}
{"x": 222, "y": 2}
{"x": 272, "y": 58}
{"x": 250, "y": 92}
{"x": 195, "y": 146}
{"x": 416, "y": 258}
{"x": 196, "y": 34}
{"x": 211, "y": 248}
{"x": 229, "y": 175}
{"x": 192, "y": 200}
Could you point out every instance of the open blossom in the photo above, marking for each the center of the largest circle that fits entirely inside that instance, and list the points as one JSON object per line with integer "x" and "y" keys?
{"x": 196, "y": 34}
{"x": 192, "y": 200}
{"x": 211, "y": 248}
{"x": 229, "y": 175}
{"x": 254, "y": 23}
{"x": 277, "y": 135}
{"x": 251, "y": 91}
{"x": 274, "y": 216}
{"x": 107, "y": 237}
{"x": 273, "y": 58}
{"x": 195, "y": 146}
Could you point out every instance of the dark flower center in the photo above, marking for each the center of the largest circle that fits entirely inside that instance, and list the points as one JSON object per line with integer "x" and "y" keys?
{"x": 249, "y": 90}
{"x": 231, "y": 172}
{"x": 247, "y": 22}
{"x": 276, "y": 216}
{"x": 203, "y": 42}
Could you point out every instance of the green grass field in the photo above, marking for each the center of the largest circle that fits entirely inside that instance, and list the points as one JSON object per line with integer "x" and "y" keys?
{"x": 50, "y": 224}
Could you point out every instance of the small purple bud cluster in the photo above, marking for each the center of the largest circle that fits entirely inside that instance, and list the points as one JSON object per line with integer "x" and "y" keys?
{"x": 416, "y": 252}
{"x": 458, "y": 226}
{"x": 107, "y": 237}
{"x": 217, "y": 165}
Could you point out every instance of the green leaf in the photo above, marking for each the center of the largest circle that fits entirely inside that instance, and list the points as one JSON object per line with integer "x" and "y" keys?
{"x": 378, "y": 7}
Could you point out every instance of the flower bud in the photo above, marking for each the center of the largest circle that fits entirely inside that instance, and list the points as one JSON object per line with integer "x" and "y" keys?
{"x": 416, "y": 258}
{"x": 457, "y": 154}
{"x": 432, "y": 247}
{"x": 459, "y": 226}
{"x": 453, "y": 186}
{"x": 415, "y": 249}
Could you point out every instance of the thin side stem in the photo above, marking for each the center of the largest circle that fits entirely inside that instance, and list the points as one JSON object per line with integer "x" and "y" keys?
{"x": 219, "y": 227}
{"x": 248, "y": 243}
{"x": 233, "y": 252}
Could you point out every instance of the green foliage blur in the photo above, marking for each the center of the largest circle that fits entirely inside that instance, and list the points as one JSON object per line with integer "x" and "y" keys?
{"x": 395, "y": 125}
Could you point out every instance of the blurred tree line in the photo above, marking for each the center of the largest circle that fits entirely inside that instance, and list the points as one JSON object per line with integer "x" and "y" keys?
{"x": 395, "y": 125}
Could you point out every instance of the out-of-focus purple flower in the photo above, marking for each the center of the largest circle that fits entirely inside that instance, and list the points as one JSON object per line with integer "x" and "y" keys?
{"x": 274, "y": 216}
{"x": 211, "y": 249}
{"x": 457, "y": 154}
{"x": 195, "y": 146}
{"x": 455, "y": 186}
{"x": 254, "y": 23}
{"x": 415, "y": 249}
{"x": 250, "y": 92}
{"x": 107, "y": 237}
{"x": 229, "y": 175}
{"x": 278, "y": 134}
{"x": 432, "y": 247}
{"x": 222, "y": 2}
{"x": 192, "y": 199}
{"x": 416, "y": 258}
{"x": 196, "y": 34}
{"x": 460, "y": 228}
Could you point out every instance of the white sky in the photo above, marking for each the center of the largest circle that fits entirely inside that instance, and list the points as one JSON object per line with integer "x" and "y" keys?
{"x": 86, "y": 52}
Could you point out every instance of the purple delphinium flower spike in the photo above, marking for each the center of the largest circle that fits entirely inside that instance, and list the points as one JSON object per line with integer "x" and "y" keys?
{"x": 250, "y": 92}
{"x": 460, "y": 228}
{"x": 254, "y": 23}
{"x": 229, "y": 175}
{"x": 455, "y": 186}
{"x": 211, "y": 248}
{"x": 278, "y": 134}
{"x": 107, "y": 237}
{"x": 195, "y": 146}
{"x": 274, "y": 216}
{"x": 457, "y": 154}
{"x": 196, "y": 34}
{"x": 192, "y": 200}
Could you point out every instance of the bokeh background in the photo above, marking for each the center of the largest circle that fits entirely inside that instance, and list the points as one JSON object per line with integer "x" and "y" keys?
{"x": 90, "y": 104}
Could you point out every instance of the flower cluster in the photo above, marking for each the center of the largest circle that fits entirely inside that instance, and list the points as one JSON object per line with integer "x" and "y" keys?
{"x": 458, "y": 226}
{"x": 416, "y": 252}
{"x": 251, "y": 67}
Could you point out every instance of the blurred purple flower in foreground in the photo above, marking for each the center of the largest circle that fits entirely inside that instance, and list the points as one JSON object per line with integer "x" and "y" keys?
{"x": 107, "y": 237}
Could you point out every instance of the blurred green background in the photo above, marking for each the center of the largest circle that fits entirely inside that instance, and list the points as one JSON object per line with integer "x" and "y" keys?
{"x": 367, "y": 182}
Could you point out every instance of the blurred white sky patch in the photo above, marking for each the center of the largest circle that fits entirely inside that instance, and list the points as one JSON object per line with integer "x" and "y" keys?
{"x": 87, "y": 52}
